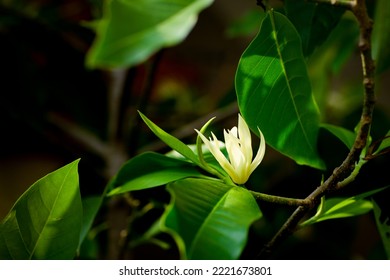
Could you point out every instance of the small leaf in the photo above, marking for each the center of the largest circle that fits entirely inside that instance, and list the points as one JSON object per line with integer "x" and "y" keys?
{"x": 346, "y": 136}
{"x": 339, "y": 207}
{"x": 45, "y": 222}
{"x": 385, "y": 144}
{"x": 383, "y": 226}
{"x": 171, "y": 141}
{"x": 131, "y": 31}
{"x": 150, "y": 170}
{"x": 274, "y": 92}
{"x": 209, "y": 219}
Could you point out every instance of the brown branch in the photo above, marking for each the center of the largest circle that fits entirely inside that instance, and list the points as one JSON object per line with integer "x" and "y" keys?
{"x": 336, "y": 180}
{"x": 116, "y": 81}
{"x": 82, "y": 136}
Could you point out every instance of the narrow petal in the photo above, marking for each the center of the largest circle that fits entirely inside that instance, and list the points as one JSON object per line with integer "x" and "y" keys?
{"x": 245, "y": 138}
{"x": 234, "y": 132}
{"x": 260, "y": 153}
{"x": 239, "y": 165}
{"x": 213, "y": 146}
{"x": 230, "y": 141}
{"x": 204, "y": 139}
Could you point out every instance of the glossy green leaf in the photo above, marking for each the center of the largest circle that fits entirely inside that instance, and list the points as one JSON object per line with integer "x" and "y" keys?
{"x": 46, "y": 220}
{"x": 274, "y": 92}
{"x": 383, "y": 225}
{"x": 339, "y": 207}
{"x": 150, "y": 170}
{"x": 132, "y": 30}
{"x": 381, "y": 36}
{"x": 209, "y": 219}
{"x": 171, "y": 141}
{"x": 346, "y": 136}
{"x": 313, "y": 21}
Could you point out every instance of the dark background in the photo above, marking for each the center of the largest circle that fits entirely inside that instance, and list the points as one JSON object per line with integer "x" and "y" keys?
{"x": 49, "y": 100}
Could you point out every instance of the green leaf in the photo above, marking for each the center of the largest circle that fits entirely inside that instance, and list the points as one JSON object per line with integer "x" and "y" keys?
{"x": 313, "y": 21}
{"x": 171, "y": 141}
{"x": 45, "y": 222}
{"x": 381, "y": 36}
{"x": 346, "y": 136}
{"x": 150, "y": 170}
{"x": 132, "y": 30}
{"x": 383, "y": 226}
{"x": 209, "y": 219}
{"x": 274, "y": 92}
{"x": 385, "y": 144}
{"x": 91, "y": 207}
{"x": 340, "y": 207}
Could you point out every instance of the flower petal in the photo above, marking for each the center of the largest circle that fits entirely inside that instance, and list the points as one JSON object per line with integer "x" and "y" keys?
{"x": 233, "y": 149}
{"x": 245, "y": 138}
{"x": 260, "y": 153}
{"x": 213, "y": 146}
{"x": 239, "y": 165}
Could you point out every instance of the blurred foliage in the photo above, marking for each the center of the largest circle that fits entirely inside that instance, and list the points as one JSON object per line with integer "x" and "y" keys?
{"x": 49, "y": 99}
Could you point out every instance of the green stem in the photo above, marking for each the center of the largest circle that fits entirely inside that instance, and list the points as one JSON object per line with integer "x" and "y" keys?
{"x": 279, "y": 199}
{"x": 352, "y": 176}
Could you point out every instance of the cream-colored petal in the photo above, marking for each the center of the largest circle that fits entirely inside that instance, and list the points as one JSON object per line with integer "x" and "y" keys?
{"x": 245, "y": 138}
{"x": 234, "y": 132}
{"x": 239, "y": 164}
{"x": 213, "y": 146}
{"x": 236, "y": 157}
{"x": 260, "y": 153}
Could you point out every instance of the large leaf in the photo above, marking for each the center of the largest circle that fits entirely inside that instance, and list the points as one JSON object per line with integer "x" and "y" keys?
{"x": 383, "y": 224}
{"x": 46, "y": 220}
{"x": 171, "y": 141}
{"x": 274, "y": 91}
{"x": 339, "y": 207}
{"x": 150, "y": 170}
{"x": 209, "y": 219}
{"x": 313, "y": 21}
{"x": 132, "y": 30}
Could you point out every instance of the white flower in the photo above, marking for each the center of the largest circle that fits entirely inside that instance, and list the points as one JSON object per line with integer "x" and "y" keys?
{"x": 238, "y": 143}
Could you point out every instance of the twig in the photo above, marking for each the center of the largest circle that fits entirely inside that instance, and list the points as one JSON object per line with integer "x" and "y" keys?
{"x": 346, "y": 169}
{"x": 83, "y": 136}
{"x": 279, "y": 199}
{"x": 117, "y": 154}
{"x": 142, "y": 103}
{"x": 116, "y": 81}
